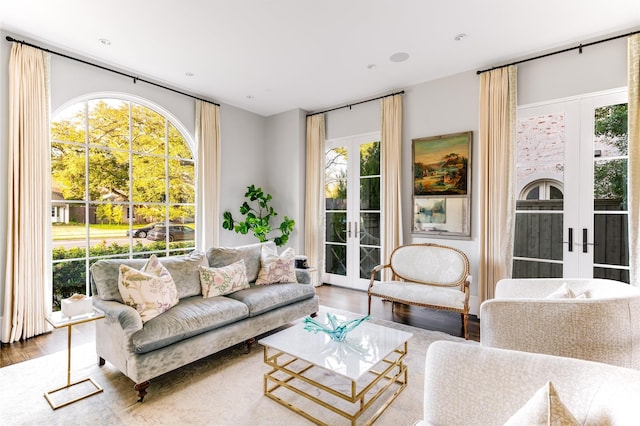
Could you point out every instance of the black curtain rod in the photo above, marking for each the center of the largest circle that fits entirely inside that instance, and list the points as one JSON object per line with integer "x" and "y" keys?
{"x": 135, "y": 79}
{"x": 356, "y": 103}
{"x": 579, "y": 47}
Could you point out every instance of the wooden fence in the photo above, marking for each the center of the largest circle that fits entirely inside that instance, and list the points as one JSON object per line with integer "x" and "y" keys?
{"x": 540, "y": 235}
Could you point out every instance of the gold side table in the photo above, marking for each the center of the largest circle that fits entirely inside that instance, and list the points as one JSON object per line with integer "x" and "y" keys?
{"x": 58, "y": 320}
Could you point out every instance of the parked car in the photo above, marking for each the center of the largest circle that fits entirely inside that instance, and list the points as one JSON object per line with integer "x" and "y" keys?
{"x": 176, "y": 233}
{"x": 141, "y": 232}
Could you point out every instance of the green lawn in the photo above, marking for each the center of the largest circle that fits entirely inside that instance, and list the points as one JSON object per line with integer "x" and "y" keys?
{"x": 76, "y": 232}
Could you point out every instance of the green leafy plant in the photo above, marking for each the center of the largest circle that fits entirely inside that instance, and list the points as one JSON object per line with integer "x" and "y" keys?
{"x": 258, "y": 214}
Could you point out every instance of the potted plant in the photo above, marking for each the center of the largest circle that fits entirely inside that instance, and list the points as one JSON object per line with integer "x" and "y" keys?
{"x": 257, "y": 216}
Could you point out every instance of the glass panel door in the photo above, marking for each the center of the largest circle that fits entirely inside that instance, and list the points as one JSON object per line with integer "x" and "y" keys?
{"x": 571, "y": 210}
{"x": 607, "y": 244}
{"x": 540, "y": 168}
{"x": 352, "y": 210}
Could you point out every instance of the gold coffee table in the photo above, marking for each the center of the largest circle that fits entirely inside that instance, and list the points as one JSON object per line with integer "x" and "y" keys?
{"x": 346, "y": 378}
{"x": 58, "y": 320}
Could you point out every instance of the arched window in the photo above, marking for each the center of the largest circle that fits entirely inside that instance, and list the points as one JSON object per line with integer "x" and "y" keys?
{"x": 543, "y": 189}
{"x": 123, "y": 173}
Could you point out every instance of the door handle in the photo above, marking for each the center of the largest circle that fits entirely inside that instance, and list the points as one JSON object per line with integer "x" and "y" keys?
{"x": 570, "y": 242}
{"x": 585, "y": 243}
{"x": 570, "y": 239}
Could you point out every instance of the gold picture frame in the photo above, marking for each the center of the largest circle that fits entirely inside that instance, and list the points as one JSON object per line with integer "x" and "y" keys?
{"x": 441, "y": 183}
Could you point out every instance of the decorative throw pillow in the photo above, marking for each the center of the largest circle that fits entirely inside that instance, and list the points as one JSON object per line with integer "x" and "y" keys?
{"x": 584, "y": 295}
{"x": 563, "y": 292}
{"x": 224, "y": 280}
{"x": 544, "y": 408}
{"x": 277, "y": 269}
{"x": 151, "y": 290}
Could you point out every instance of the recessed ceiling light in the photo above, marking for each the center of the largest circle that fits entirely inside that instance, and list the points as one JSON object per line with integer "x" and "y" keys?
{"x": 460, "y": 37}
{"x": 105, "y": 41}
{"x": 189, "y": 74}
{"x": 399, "y": 57}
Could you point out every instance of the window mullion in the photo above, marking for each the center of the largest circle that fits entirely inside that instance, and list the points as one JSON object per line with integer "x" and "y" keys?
{"x": 87, "y": 198}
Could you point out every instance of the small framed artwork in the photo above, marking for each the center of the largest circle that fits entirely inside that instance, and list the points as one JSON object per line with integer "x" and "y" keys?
{"x": 442, "y": 185}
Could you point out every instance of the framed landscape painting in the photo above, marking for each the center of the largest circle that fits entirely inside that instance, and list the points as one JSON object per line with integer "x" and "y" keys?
{"x": 442, "y": 185}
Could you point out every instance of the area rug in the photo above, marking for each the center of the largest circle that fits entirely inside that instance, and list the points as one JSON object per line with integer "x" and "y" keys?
{"x": 223, "y": 389}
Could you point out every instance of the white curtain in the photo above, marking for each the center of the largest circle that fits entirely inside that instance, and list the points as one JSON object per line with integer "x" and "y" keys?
{"x": 314, "y": 192}
{"x": 208, "y": 172}
{"x": 633, "y": 64}
{"x": 27, "y": 297}
{"x": 391, "y": 185}
{"x": 497, "y": 177}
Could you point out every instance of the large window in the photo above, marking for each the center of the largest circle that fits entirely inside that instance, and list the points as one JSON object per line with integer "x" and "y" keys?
{"x": 122, "y": 175}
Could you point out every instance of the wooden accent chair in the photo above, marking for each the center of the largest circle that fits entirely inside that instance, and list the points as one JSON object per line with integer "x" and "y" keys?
{"x": 427, "y": 275}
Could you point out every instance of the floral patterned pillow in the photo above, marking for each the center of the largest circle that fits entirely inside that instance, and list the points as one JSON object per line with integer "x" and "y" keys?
{"x": 151, "y": 290}
{"x": 277, "y": 269}
{"x": 223, "y": 280}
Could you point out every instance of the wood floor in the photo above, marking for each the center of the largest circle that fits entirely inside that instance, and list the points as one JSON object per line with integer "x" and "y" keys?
{"x": 330, "y": 296}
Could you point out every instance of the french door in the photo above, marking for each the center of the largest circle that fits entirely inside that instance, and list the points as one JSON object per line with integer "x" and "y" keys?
{"x": 352, "y": 210}
{"x": 571, "y": 214}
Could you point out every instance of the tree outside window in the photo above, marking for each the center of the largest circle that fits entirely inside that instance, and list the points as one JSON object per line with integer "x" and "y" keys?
{"x": 116, "y": 166}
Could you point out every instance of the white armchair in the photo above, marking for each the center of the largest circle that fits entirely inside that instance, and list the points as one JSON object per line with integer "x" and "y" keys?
{"x": 426, "y": 275}
{"x": 604, "y": 326}
{"x": 469, "y": 385}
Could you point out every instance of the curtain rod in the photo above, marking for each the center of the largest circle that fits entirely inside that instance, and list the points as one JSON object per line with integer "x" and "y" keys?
{"x": 356, "y": 103}
{"x": 135, "y": 79}
{"x": 579, "y": 47}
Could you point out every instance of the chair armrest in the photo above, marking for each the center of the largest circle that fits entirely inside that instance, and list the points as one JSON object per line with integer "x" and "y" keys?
{"x": 375, "y": 270}
{"x": 379, "y": 268}
{"x": 125, "y": 315}
{"x": 466, "y": 288}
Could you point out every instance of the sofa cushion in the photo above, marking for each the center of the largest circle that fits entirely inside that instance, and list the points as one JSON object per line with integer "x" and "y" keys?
{"x": 450, "y": 297}
{"x": 223, "y": 280}
{"x": 150, "y": 290}
{"x": 223, "y": 256}
{"x": 276, "y": 269}
{"x": 183, "y": 269}
{"x": 192, "y": 316}
{"x": 264, "y": 298}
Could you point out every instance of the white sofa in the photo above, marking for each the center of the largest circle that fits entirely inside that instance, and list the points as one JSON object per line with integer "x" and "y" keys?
{"x": 603, "y": 327}
{"x": 475, "y": 385}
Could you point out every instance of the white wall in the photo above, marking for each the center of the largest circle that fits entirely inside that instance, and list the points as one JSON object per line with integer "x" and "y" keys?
{"x": 599, "y": 67}
{"x": 284, "y": 157}
{"x": 242, "y": 134}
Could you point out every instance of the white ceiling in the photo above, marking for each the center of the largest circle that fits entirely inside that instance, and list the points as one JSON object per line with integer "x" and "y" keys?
{"x": 270, "y": 56}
